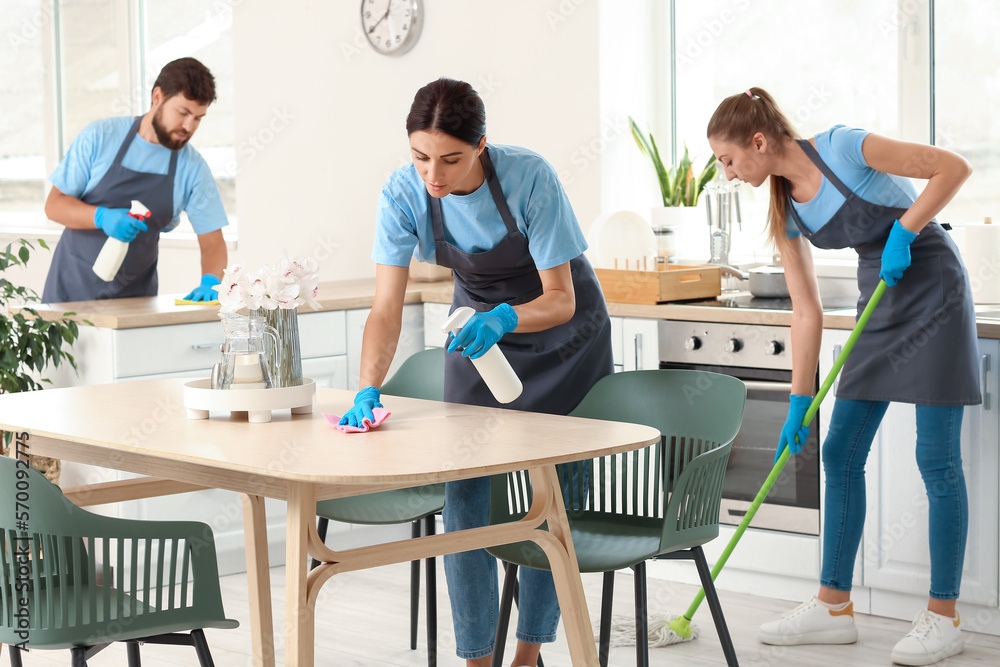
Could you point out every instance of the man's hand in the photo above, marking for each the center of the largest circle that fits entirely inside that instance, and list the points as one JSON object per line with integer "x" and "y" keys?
{"x": 118, "y": 224}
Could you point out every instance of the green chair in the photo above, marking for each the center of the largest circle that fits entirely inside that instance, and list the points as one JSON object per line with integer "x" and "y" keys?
{"x": 420, "y": 376}
{"x": 626, "y": 508}
{"x": 57, "y": 590}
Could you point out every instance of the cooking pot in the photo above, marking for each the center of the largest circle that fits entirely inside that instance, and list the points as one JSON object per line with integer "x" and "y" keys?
{"x": 768, "y": 282}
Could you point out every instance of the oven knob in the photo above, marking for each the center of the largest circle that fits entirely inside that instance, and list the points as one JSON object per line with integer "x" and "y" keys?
{"x": 734, "y": 345}
{"x": 692, "y": 343}
{"x": 774, "y": 347}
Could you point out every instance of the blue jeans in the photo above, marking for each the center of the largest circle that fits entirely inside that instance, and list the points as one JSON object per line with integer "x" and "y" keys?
{"x": 472, "y": 577}
{"x": 939, "y": 457}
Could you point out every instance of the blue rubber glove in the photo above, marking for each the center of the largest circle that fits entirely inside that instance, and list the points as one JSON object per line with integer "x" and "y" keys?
{"x": 365, "y": 401}
{"x": 483, "y": 330}
{"x": 896, "y": 254}
{"x": 204, "y": 291}
{"x": 118, "y": 224}
{"x": 797, "y": 408}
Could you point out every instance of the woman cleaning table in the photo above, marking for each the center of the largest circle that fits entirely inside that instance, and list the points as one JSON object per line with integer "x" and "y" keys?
{"x": 843, "y": 188}
{"x": 499, "y": 218}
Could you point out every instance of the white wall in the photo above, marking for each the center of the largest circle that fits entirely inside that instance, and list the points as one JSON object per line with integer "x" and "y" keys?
{"x": 328, "y": 113}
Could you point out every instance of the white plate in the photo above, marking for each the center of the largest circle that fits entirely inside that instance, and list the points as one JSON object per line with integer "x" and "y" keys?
{"x": 621, "y": 235}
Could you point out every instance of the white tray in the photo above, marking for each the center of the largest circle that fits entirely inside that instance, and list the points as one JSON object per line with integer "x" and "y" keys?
{"x": 200, "y": 398}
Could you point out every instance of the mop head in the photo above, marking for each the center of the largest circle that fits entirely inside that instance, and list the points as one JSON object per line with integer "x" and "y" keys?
{"x": 660, "y": 632}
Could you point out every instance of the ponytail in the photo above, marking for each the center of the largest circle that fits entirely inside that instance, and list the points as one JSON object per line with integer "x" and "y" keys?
{"x": 737, "y": 119}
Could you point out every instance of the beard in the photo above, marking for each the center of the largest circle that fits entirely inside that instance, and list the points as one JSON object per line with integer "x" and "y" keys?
{"x": 164, "y": 135}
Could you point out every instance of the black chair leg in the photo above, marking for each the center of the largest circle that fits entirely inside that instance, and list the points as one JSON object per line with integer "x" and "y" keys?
{"x": 15, "y": 656}
{"x": 321, "y": 526}
{"x": 604, "y": 637}
{"x": 201, "y": 648}
{"x": 431, "y": 593}
{"x": 705, "y": 573}
{"x": 132, "y": 651}
{"x": 78, "y": 656}
{"x": 507, "y": 596}
{"x": 414, "y": 589}
{"x": 641, "y": 621}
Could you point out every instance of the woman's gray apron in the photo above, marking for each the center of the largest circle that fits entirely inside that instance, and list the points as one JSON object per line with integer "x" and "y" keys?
{"x": 71, "y": 275}
{"x": 920, "y": 344}
{"x": 557, "y": 366}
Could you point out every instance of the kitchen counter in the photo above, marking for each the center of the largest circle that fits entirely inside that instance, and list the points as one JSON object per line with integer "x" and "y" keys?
{"x": 360, "y": 293}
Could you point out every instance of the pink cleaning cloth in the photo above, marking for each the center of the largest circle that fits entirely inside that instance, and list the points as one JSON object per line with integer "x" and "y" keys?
{"x": 381, "y": 414}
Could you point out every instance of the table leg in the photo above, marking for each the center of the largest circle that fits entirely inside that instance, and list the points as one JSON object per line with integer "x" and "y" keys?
{"x": 558, "y": 546}
{"x": 299, "y": 609}
{"x": 258, "y": 581}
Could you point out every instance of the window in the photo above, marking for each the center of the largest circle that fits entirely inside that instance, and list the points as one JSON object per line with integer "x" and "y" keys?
{"x": 75, "y": 61}
{"x": 862, "y": 63}
{"x": 22, "y": 126}
{"x": 966, "y": 99}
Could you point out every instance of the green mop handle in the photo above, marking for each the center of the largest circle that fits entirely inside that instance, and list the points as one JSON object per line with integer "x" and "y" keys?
{"x": 810, "y": 413}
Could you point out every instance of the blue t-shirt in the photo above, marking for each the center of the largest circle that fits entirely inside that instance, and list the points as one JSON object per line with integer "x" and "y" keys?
{"x": 472, "y": 222}
{"x": 93, "y": 152}
{"x": 840, "y": 149}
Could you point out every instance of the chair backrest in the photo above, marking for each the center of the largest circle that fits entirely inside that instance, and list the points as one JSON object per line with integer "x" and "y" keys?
{"x": 698, "y": 415}
{"x": 53, "y": 555}
{"x": 421, "y": 375}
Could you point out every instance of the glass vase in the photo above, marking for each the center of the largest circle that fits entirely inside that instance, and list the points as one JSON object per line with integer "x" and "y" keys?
{"x": 285, "y": 364}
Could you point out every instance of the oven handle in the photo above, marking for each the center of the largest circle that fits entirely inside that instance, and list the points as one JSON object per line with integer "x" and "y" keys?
{"x": 757, "y": 385}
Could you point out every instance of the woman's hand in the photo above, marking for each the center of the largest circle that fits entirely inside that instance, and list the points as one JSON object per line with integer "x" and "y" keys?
{"x": 484, "y": 330}
{"x": 896, "y": 253}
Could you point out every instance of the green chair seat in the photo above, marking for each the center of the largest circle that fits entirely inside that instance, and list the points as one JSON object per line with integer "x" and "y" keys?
{"x": 385, "y": 507}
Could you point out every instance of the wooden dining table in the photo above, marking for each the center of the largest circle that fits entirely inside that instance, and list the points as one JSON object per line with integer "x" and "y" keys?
{"x": 142, "y": 427}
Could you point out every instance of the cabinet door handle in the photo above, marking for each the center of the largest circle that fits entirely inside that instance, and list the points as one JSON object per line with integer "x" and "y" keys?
{"x": 836, "y": 353}
{"x": 984, "y": 371}
{"x": 203, "y": 346}
{"x": 637, "y": 345}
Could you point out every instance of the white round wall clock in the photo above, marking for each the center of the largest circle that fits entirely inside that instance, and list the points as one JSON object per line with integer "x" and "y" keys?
{"x": 392, "y": 26}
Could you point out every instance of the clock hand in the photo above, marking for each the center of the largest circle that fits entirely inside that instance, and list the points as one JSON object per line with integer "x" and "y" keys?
{"x": 384, "y": 17}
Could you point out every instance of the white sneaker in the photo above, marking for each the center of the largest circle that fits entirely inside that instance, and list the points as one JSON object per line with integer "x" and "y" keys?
{"x": 933, "y": 637}
{"x": 811, "y": 622}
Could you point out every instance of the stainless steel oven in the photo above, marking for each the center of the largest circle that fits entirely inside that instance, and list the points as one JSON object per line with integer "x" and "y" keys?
{"x": 760, "y": 355}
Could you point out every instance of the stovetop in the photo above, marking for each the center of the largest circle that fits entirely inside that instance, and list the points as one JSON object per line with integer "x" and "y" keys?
{"x": 748, "y": 301}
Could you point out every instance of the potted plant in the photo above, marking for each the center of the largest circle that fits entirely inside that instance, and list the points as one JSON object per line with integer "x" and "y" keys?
{"x": 28, "y": 343}
{"x": 680, "y": 186}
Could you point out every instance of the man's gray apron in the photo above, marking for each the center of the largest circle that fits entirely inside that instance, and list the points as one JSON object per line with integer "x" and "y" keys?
{"x": 920, "y": 344}
{"x": 557, "y": 366}
{"x": 71, "y": 275}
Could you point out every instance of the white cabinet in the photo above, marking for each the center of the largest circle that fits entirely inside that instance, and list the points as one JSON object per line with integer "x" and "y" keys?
{"x": 635, "y": 343}
{"x": 411, "y": 339}
{"x": 640, "y": 344}
{"x": 435, "y": 315}
{"x": 895, "y": 556}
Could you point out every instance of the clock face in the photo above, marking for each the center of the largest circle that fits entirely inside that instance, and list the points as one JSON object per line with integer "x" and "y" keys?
{"x": 391, "y": 26}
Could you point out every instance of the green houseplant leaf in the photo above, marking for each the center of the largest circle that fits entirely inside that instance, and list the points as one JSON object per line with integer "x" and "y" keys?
{"x": 28, "y": 343}
{"x": 679, "y": 185}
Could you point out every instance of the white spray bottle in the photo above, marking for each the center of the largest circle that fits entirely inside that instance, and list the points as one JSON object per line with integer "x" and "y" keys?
{"x": 110, "y": 259}
{"x": 493, "y": 366}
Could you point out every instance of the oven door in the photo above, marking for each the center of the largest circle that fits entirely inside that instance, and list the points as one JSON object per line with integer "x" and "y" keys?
{"x": 793, "y": 502}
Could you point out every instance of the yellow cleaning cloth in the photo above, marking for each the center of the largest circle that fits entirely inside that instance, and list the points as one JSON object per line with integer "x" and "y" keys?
{"x": 186, "y": 302}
